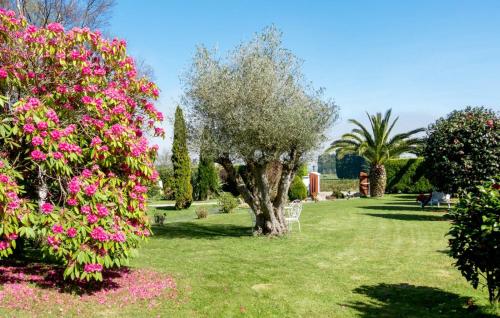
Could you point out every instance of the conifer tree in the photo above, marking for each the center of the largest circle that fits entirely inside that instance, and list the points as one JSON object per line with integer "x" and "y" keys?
{"x": 183, "y": 190}
{"x": 207, "y": 182}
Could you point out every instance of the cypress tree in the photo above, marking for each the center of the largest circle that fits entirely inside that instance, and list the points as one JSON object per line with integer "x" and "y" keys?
{"x": 183, "y": 191}
{"x": 207, "y": 182}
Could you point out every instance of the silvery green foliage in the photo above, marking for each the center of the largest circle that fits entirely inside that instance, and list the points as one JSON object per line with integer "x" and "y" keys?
{"x": 255, "y": 103}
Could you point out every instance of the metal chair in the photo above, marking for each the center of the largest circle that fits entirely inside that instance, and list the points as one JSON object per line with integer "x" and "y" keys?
{"x": 292, "y": 214}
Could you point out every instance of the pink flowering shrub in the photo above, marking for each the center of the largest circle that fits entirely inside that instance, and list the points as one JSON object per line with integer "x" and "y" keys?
{"x": 13, "y": 209}
{"x": 79, "y": 123}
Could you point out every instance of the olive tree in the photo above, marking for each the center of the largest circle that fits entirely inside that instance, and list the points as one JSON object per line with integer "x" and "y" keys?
{"x": 261, "y": 118}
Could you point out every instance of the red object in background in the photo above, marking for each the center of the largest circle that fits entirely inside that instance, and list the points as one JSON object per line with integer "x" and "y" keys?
{"x": 364, "y": 184}
{"x": 314, "y": 184}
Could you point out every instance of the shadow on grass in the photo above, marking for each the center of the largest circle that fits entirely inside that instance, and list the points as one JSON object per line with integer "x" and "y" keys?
{"x": 408, "y": 217}
{"x": 165, "y": 208}
{"x": 392, "y": 208}
{"x": 404, "y": 300}
{"x": 195, "y": 230}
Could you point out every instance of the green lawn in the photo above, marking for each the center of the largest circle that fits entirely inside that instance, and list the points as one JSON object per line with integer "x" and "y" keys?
{"x": 356, "y": 258}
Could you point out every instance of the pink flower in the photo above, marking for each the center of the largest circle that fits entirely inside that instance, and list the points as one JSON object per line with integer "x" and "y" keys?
{"x": 42, "y": 125}
{"x": 99, "y": 234}
{"x": 86, "y": 99}
{"x": 55, "y": 27}
{"x": 52, "y": 240}
{"x": 56, "y": 228}
{"x": 102, "y": 211}
{"x": 95, "y": 141}
{"x": 56, "y": 134}
{"x": 4, "y": 245}
{"x": 72, "y": 202}
{"x": 12, "y": 236}
{"x": 86, "y": 71}
{"x": 74, "y": 186}
{"x": 28, "y": 128}
{"x": 86, "y": 209}
{"x": 91, "y": 218}
{"x": 4, "y": 178}
{"x": 37, "y": 155}
{"x": 91, "y": 268}
{"x": 91, "y": 189}
{"x": 86, "y": 173}
{"x": 71, "y": 232}
{"x": 37, "y": 141}
{"x": 3, "y": 73}
{"x": 52, "y": 115}
{"x": 119, "y": 237}
{"x": 47, "y": 208}
{"x": 57, "y": 155}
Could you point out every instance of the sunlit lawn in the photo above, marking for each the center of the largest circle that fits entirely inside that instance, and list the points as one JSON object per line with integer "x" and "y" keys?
{"x": 356, "y": 258}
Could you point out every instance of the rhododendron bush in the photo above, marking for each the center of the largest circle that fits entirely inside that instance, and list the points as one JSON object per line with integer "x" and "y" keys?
{"x": 75, "y": 158}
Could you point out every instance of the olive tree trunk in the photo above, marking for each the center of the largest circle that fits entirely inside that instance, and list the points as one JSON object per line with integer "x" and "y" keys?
{"x": 378, "y": 179}
{"x": 265, "y": 195}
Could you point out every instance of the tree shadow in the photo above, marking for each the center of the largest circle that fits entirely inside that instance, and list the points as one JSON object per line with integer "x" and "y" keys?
{"x": 405, "y": 300}
{"x": 392, "y": 208}
{"x": 194, "y": 230}
{"x": 408, "y": 217}
{"x": 165, "y": 208}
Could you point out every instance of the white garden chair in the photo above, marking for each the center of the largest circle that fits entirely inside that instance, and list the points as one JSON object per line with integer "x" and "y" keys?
{"x": 292, "y": 214}
{"x": 440, "y": 197}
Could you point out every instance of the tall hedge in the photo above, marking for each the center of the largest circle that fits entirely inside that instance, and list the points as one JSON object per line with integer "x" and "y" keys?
{"x": 327, "y": 163}
{"x": 183, "y": 190}
{"x": 349, "y": 166}
{"x": 407, "y": 176}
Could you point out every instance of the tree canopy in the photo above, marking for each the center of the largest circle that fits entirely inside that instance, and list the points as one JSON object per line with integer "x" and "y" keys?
{"x": 257, "y": 109}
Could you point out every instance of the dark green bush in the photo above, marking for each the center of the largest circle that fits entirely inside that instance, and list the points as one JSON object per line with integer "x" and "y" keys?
{"x": 407, "y": 176}
{"x": 463, "y": 149}
{"x": 297, "y": 190}
{"x": 227, "y": 202}
{"x": 475, "y": 237}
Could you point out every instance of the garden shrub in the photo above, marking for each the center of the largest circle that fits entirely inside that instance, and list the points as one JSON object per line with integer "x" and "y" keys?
{"x": 227, "y": 202}
{"x": 297, "y": 190}
{"x": 475, "y": 237}
{"x": 463, "y": 149}
{"x": 167, "y": 177}
{"x": 201, "y": 212}
{"x": 407, "y": 176}
{"x": 76, "y": 129}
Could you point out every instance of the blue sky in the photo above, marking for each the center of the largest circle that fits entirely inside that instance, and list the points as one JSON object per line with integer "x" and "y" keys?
{"x": 420, "y": 58}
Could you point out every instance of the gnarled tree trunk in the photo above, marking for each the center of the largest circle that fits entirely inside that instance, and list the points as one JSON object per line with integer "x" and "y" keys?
{"x": 378, "y": 179}
{"x": 264, "y": 187}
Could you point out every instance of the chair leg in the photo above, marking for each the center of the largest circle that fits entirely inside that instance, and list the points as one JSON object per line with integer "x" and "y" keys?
{"x": 299, "y": 225}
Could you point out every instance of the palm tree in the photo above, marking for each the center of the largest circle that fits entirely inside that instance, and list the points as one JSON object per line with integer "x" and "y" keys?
{"x": 377, "y": 146}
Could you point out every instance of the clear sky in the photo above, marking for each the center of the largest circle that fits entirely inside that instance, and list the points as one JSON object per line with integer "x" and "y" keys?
{"x": 420, "y": 58}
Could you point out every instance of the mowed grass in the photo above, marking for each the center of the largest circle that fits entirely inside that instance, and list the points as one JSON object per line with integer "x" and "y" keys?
{"x": 356, "y": 258}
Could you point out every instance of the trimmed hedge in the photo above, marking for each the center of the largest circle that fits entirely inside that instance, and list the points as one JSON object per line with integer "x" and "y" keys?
{"x": 407, "y": 176}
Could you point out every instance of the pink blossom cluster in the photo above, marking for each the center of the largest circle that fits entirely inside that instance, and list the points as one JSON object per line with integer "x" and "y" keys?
{"x": 91, "y": 268}
{"x": 99, "y": 234}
